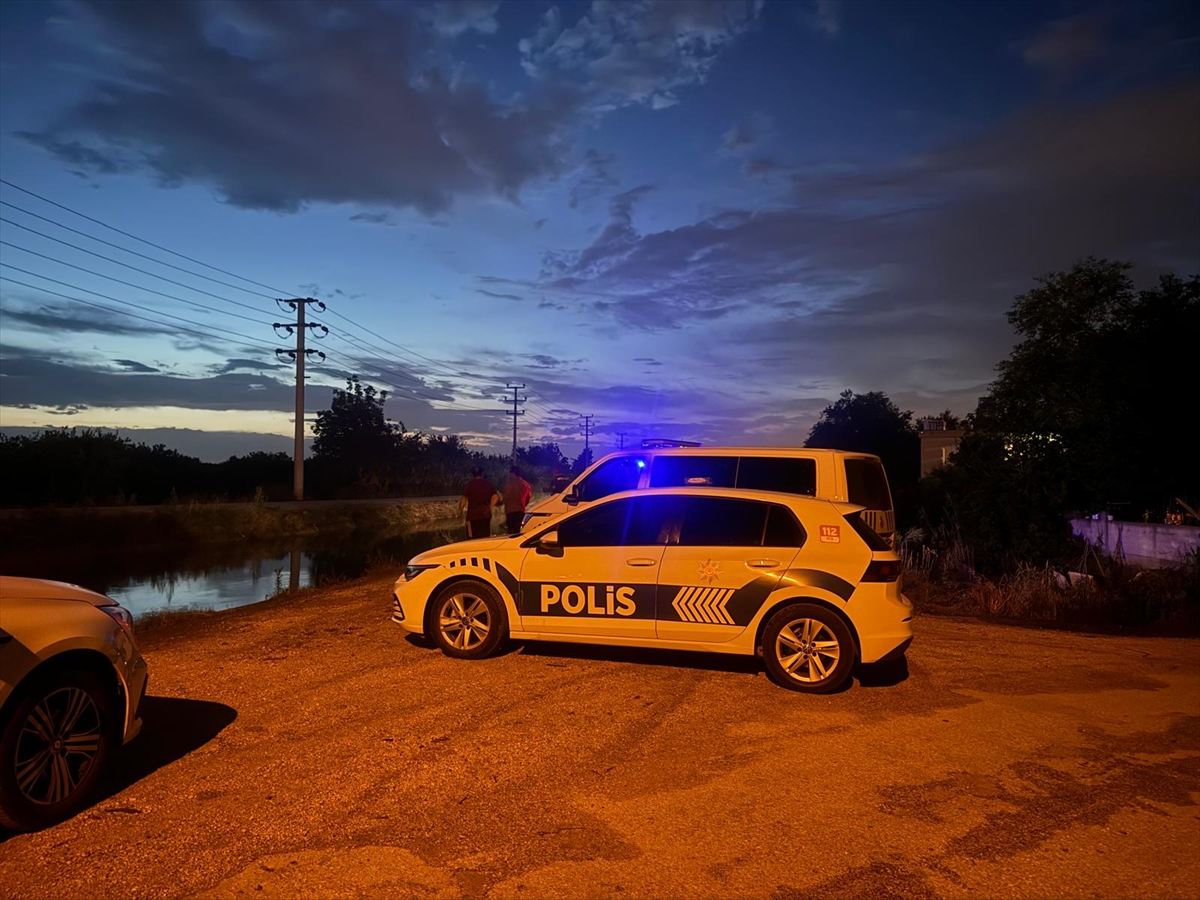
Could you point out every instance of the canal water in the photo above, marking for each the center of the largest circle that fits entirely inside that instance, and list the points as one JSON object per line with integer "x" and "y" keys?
{"x": 222, "y": 576}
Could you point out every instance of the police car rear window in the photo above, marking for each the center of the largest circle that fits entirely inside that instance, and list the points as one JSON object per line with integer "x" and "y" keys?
{"x": 867, "y": 484}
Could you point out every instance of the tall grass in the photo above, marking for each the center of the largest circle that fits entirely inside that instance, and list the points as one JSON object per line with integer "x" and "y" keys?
{"x": 1092, "y": 592}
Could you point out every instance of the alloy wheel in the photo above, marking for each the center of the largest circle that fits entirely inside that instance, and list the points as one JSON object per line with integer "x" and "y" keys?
{"x": 57, "y": 744}
{"x": 807, "y": 650}
{"x": 465, "y": 621}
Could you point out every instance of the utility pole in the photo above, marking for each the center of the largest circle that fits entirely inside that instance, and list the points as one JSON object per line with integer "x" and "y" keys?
{"x": 514, "y": 412}
{"x": 299, "y": 328}
{"x": 587, "y": 430}
{"x": 621, "y": 437}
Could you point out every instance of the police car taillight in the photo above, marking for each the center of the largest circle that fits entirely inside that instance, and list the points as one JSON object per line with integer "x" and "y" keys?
{"x": 882, "y": 570}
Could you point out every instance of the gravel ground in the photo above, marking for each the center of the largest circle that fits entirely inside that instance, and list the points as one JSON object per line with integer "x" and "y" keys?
{"x": 305, "y": 748}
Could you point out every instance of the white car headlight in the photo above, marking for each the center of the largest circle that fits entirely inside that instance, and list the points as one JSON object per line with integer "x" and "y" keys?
{"x": 411, "y": 571}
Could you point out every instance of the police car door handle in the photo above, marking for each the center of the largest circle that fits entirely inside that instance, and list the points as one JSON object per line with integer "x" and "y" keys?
{"x": 641, "y": 561}
{"x": 763, "y": 563}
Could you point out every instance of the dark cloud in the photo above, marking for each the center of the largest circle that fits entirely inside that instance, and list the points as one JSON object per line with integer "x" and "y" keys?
{"x": 595, "y": 177}
{"x": 451, "y": 18}
{"x": 48, "y": 383}
{"x": 899, "y": 277}
{"x": 278, "y": 105}
{"x": 498, "y": 296}
{"x": 374, "y": 218}
{"x": 132, "y": 365}
{"x": 1065, "y": 45}
{"x": 822, "y": 16}
{"x": 56, "y": 319}
{"x": 252, "y": 365}
{"x": 636, "y": 53}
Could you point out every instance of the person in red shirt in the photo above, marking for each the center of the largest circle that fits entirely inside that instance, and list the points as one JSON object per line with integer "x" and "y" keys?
{"x": 517, "y": 492}
{"x": 478, "y": 500}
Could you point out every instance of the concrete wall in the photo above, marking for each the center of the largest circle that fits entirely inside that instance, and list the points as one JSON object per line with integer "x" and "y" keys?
{"x": 1139, "y": 543}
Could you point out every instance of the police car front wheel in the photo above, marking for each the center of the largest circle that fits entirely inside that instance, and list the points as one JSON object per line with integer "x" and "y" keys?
{"x": 468, "y": 620}
{"x": 808, "y": 648}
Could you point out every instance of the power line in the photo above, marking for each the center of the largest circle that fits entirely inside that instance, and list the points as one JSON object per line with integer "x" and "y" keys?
{"x": 275, "y": 290}
{"x": 119, "y": 263}
{"x": 92, "y": 237}
{"x": 441, "y": 366}
{"x": 118, "y": 281}
{"x": 207, "y": 333}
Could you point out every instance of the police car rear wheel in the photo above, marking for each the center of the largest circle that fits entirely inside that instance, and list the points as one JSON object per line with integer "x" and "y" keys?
{"x": 468, "y": 620}
{"x": 808, "y": 648}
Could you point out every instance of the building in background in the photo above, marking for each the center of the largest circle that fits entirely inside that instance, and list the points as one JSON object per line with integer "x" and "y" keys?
{"x": 939, "y": 439}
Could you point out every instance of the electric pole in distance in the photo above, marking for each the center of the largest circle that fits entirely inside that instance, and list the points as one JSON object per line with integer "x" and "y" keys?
{"x": 621, "y": 438}
{"x": 299, "y": 328}
{"x": 587, "y": 431}
{"x": 514, "y": 412}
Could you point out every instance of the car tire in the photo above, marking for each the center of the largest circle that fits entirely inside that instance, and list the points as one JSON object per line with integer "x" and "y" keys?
{"x": 54, "y": 745}
{"x": 468, "y": 620}
{"x": 808, "y": 648}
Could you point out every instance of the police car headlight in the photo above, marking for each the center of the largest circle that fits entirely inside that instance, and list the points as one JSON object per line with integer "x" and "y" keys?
{"x": 411, "y": 572}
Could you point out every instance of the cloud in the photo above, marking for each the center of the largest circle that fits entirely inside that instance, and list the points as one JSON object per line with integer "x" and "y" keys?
{"x": 276, "y": 106}
{"x": 1063, "y": 46}
{"x": 636, "y": 53}
{"x": 52, "y": 319}
{"x": 132, "y": 365}
{"x": 498, "y": 296}
{"x": 821, "y": 16}
{"x": 451, "y": 18}
{"x": 252, "y": 365}
{"x": 898, "y": 276}
{"x": 596, "y": 176}
{"x": 374, "y": 218}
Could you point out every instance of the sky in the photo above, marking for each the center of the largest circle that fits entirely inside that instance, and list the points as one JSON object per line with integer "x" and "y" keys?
{"x": 695, "y": 219}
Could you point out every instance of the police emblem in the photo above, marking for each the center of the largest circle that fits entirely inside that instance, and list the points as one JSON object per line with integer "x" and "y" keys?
{"x": 709, "y": 571}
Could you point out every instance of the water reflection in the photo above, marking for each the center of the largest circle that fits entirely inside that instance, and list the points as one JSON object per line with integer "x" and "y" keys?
{"x": 146, "y": 579}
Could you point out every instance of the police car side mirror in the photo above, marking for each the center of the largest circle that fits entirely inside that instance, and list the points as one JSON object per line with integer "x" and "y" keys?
{"x": 572, "y": 497}
{"x": 548, "y": 545}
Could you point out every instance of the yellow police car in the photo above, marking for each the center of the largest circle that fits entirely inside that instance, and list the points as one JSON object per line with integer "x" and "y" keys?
{"x": 804, "y": 582}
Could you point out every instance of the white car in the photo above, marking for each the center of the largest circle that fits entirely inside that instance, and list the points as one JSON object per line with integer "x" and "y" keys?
{"x": 839, "y": 475}
{"x": 71, "y": 682}
{"x": 804, "y": 582}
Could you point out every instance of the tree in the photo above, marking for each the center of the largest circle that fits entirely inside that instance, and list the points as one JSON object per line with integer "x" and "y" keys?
{"x": 582, "y": 461}
{"x": 1090, "y": 390}
{"x": 541, "y": 462}
{"x": 355, "y": 444}
{"x": 1079, "y": 418}
{"x": 872, "y": 423}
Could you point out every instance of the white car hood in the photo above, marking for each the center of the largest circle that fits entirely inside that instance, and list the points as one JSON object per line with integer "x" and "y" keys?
{"x": 459, "y": 548}
{"x": 41, "y": 589}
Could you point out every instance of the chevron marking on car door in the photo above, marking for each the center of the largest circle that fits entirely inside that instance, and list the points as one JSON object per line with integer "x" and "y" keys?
{"x": 703, "y": 605}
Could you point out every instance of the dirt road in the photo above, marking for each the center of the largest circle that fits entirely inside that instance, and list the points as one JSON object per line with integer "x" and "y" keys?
{"x": 305, "y": 748}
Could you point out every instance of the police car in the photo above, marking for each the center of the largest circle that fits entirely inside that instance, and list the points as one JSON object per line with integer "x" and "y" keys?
{"x": 802, "y": 581}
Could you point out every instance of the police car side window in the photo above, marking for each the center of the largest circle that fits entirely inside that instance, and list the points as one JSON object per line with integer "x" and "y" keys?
{"x": 783, "y": 530}
{"x": 787, "y": 475}
{"x": 723, "y": 522}
{"x": 612, "y": 477}
{"x": 693, "y": 471}
{"x": 599, "y": 526}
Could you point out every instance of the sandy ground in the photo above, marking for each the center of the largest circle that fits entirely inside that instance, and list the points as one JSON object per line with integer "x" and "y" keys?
{"x": 305, "y": 748}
